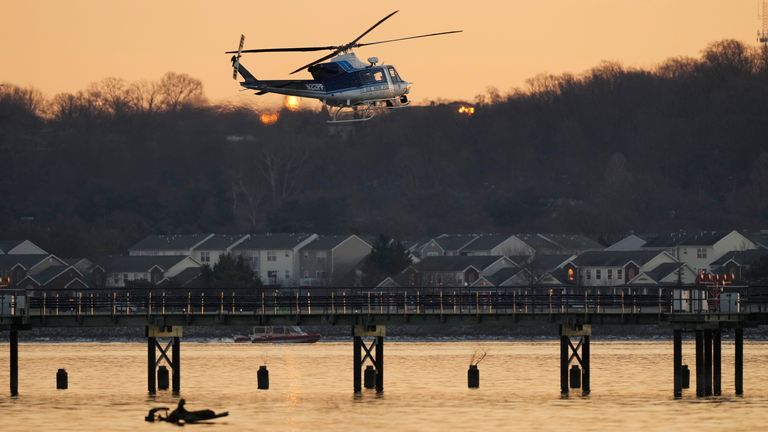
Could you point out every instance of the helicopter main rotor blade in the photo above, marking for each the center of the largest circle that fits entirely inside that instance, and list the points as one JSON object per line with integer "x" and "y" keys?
{"x": 297, "y": 49}
{"x": 372, "y": 27}
{"x": 406, "y": 38}
{"x": 316, "y": 61}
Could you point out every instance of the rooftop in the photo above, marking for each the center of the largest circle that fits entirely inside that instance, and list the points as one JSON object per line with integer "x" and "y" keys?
{"x": 170, "y": 242}
{"x": 272, "y": 241}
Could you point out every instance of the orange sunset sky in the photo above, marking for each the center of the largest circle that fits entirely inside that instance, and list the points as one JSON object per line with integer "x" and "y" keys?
{"x": 62, "y": 46}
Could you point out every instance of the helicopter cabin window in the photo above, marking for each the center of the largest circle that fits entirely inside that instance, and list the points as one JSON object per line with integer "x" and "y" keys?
{"x": 372, "y": 76}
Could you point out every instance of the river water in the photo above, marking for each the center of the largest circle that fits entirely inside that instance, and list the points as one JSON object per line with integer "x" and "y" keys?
{"x": 425, "y": 388}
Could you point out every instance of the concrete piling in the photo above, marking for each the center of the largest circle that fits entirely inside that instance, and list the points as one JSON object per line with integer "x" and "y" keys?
{"x": 369, "y": 377}
{"x": 686, "y": 377}
{"x": 575, "y": 377}
{"x": 262, "y": 378}
{"x": 473, "y": 377}
{"x": 162, "y": 378}
{"x": 62, "y": 379}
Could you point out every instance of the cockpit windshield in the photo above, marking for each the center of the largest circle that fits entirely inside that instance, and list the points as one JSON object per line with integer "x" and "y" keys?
{"x": 393, "y": 74}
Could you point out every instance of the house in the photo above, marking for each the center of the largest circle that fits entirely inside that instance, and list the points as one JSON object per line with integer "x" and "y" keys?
{"x": 667, "y": 273}
{"x": 456, "y": 271}
{"x": 274, "y": 257}
{"x": 700, "y": 249}
{"x": 736, "y": 264}
{"x": 209, "y": 251}
{"x": 123, "y": 271}
{"x": 445, "y": 245}
{"x": 20, "y": 247}
{"x": 55, "y": 277}
{"x": 329, "y": 258}
{"x": 94, "y": 274}
{"x": 504, "y": 277}
{"x": 613, "y": 268}
{"x": 572, "y": 243}
{"x": 174, "y": 244}
{"x": 490, "y": 244}
{"x": 628, "y": 243}
{"x": 190, "y": 277}
{"x": 18, "y": 267}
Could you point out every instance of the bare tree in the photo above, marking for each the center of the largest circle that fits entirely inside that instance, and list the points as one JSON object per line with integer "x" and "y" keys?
{"x": 178, "y": 90}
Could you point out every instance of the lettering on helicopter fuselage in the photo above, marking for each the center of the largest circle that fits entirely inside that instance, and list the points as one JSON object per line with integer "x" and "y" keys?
{"x": 319, "y": 87}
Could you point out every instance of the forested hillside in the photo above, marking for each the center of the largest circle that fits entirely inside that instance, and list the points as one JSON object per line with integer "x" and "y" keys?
{"x": 684, "y": 145}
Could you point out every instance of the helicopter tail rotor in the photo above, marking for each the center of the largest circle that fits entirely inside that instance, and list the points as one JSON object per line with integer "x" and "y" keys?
{"x": 236, "y": 58}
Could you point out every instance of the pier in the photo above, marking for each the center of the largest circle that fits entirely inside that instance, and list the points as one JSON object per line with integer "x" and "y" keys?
{"x": 163, "y": 313}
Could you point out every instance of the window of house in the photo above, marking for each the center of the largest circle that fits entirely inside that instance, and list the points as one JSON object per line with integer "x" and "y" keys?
{"x": 701, "y": 252}
{"x": 571, "y": 275}
{"x": 271, "y": 256}
{"x": 598, "y": 274}
{"x": 306, "y": 254}
{"x": 287, "y": 274}
{"x": 589, "y": 274}
{"x": 272, "y": 276}
{"x": 205, "y": 257}
{"x": 619, "y": 273}
{"x": 320, "y": 274}
{"x": 125, "y": 276}
{"x": 287, "y": 254}
{"x": 610, "y": 273}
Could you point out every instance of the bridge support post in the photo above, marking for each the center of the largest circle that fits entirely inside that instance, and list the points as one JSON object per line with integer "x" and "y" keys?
{"x": 170, "y": 354}
{"x": 716, "y": 363}
{"x": 365, "y": 351}
{"x": 14, "y": 362}
{"x": 357, "y": 363}
{"x": 176, "y": 359}
{"x": 151, "y": 365}
{"x": 678, "y": 362}
{"x": 699, "y": 363}
{"x": 739, "y": 361}
{"x": 579, "y": 352}
{"x": 707, "y": 362}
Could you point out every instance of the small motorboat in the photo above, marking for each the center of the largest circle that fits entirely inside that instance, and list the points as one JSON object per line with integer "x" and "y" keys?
{"x": 181, "y": 416}
{"x": 290, "y": 334}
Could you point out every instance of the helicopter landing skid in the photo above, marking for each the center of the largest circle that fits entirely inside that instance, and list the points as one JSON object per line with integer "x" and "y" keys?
{"x": 363, "y": 112}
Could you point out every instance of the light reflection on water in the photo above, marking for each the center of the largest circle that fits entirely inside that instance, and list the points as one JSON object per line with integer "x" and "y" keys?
{"x": 425, "y": 388}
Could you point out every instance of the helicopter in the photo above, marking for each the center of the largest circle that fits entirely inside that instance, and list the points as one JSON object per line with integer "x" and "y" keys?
{"x": 352, "y": 90}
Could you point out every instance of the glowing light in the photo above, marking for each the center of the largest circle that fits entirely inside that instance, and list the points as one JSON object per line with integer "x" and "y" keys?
{"x": 269, "y": 118}
{"x": 292, "y": 103}
{"x": 467, "y": 110}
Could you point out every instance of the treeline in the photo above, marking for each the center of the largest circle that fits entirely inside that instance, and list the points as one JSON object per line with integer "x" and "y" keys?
{"x": 614, "y": 149}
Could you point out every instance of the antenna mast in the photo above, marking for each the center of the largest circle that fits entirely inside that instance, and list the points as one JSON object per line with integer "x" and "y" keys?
{"x": 762, "y": 34}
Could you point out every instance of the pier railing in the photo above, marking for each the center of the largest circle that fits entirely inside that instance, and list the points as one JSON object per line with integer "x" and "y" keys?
{"x": 275, "y": 301}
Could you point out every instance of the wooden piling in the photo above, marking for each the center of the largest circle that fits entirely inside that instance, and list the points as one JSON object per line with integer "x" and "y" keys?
{"x": 585, "y": 366}
{"x": 707, "y": 362}
{"x": 379, "y": 364}
{"x": 716, "y": 363}
{"x": 699, "y": 363}
{"x": 739, "y": 361}
{"x": 14, "y": 362}
{"x": 357, "y": 346}
{"x": 176, "y": 358}
{"x": 677, "y": 362}
{"x": 151, "y": 365}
